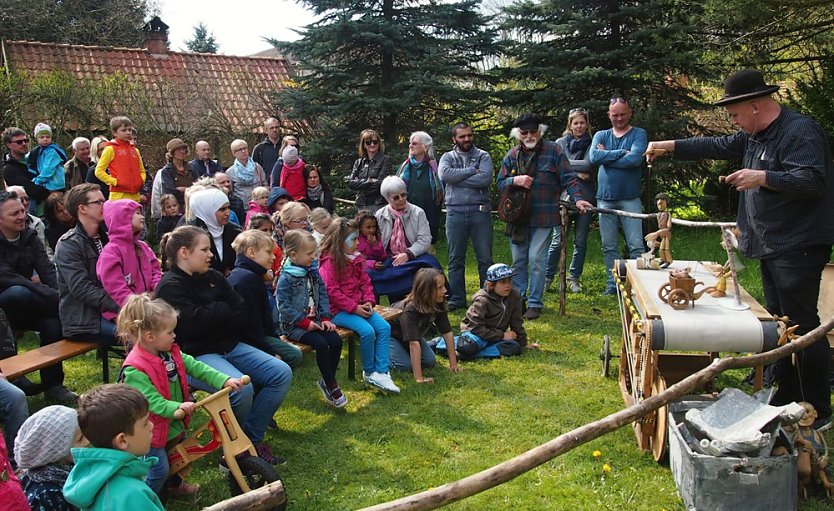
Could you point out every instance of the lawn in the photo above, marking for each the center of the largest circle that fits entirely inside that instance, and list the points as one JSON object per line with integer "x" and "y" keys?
{"x": 384, "y": 447}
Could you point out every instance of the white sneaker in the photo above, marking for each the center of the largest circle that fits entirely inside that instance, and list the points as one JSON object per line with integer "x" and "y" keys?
{"x": 575, "y": 286}
{"x": 387, "y": 383}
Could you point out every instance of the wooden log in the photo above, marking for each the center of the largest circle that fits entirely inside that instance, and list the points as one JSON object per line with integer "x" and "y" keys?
{"x": 563, "y": 259}
{"x": 264, "y": 498}
{"x": 510, "y": 469}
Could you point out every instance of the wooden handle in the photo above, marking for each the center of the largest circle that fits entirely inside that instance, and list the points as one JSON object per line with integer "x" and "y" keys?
{"x": 179, "y": 414}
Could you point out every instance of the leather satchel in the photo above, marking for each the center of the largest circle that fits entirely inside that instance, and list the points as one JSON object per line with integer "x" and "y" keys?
{"x": 514, "y": 205}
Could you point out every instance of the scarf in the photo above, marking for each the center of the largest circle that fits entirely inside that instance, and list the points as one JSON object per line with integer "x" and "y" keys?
{"x": 298, "y": 165}
{"x": 245, "y": 174}
{"x": 398, "y": 243}
{"x": 577, "y": 146}
{"x": 314, "y": 193}
{"x": 431, "y": 165}
{"x": 291, "y": 268}
{"x": 51, "y": 473}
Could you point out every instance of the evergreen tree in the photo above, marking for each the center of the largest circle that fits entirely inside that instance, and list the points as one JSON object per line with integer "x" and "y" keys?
{"x": 396, "y": 66}
{"x": 203, "y": 40}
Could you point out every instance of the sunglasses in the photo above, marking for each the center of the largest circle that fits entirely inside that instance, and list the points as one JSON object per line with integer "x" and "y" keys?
{"x": 524, "y": 133}
{"x": 372, "y": 142}
{"x": 618, "y": 99}
{"x": 20, "y": 142}
{"x": 578, "y": 110}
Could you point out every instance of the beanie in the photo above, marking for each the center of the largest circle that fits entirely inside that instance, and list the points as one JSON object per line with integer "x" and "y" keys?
{"x": 46, "y": 437}
{"x": 42, "y": 129}
{"x": 290, "y": 153}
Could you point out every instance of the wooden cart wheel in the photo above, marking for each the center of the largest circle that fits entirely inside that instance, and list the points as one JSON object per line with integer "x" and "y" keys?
{"x": 678, "y": 299}
{"x": 664, "y": 290}
{"x": 605, "y": 356}
{"x": 658, "y": 440}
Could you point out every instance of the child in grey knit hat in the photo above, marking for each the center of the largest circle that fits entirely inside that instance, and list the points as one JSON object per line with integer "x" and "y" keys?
{"x": 42, "y": 450}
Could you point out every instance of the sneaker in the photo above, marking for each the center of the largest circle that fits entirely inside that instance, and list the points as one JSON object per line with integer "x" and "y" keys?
{"x": 325, "y": 391}
{"x": 610, "y": 291}
{"x": 28, "y": 388}
{"x": 61, "y": 394}
{"x": 822, "y": 424}
{"x": 575, "y": 286}
{"x": 265, "y": 453}
{"x": 185, "y": 489}
{"x": 548, "y": 282}
{"x": 532, "y": 313}
{"x": 387, "y": 384}
{"x": 339, "y": 398}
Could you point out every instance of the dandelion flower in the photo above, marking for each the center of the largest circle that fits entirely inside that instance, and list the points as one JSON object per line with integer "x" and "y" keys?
{"x": 597, "y": 454}
{"x": 606, "y": 468}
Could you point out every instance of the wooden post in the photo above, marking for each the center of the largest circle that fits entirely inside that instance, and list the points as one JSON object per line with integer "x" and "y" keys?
{"x": 510, "y": 469}
{"x": 264, "y": 498}
{"x": 563, "y": 227}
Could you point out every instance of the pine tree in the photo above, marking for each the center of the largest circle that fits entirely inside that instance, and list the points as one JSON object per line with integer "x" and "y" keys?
{"x": 396, "y": 66}
{"x": 203, "y": 40}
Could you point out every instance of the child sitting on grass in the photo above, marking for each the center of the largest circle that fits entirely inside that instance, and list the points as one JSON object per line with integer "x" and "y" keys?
{"x": 370, "y": 244}
{"x": 424, "y": 306}
{"x": 158, "y": 368}
{"x": 299, "y": 282}
{"x": 42, "y": 450}
{"x": 111, "y": 474}
{"x": 171, "y": 215}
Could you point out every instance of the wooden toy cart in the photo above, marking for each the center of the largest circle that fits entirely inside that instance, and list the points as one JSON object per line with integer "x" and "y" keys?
{"x": 662, "y": 345}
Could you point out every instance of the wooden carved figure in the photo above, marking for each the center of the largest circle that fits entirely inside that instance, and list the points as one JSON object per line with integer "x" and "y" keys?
{"x": 812, "y": 458}
{"x": 663, "y": 234}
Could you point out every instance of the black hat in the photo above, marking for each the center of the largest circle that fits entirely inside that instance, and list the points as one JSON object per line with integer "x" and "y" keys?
{"x": 527, "y": 121}
{"x": 744, "y": 85}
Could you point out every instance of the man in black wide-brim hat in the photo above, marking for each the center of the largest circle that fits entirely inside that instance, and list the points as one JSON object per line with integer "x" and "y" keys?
{"x": 785, "y": 216}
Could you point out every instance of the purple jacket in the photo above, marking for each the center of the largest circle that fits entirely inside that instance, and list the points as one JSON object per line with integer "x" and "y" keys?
{"x": 127, "y": 265}
{"x": 372, "y": 253}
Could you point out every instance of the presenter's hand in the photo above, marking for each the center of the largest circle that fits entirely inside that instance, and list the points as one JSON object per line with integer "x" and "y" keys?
{"x": 584, "y": 205}
{"x": 747, "y": 179}
{"x": 523, "y": 181}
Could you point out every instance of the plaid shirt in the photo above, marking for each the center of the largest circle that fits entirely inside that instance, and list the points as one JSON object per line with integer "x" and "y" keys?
{"x": 553, "y": 174}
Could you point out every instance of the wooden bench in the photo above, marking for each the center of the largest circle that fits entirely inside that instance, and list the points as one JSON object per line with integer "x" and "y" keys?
{"x": 349, "y": 336}
{"x": 45, "y": 356}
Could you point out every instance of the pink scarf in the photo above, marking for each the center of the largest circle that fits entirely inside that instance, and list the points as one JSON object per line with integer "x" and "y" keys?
{"x": 398, "y": 243}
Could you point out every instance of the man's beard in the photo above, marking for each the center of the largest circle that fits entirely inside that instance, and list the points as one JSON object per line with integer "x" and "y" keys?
{"x": 465, "y": 147}
{"x": 530, "y": 144}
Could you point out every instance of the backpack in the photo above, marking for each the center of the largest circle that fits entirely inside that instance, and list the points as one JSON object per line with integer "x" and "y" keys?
{"x": 515, "y": 203}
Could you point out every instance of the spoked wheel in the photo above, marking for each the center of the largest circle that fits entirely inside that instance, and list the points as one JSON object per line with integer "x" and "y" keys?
{"x": 257, "y": 472}
{"x": 663, "y": 292}
{"x": 660, "y": 422}
{"x": 605, "y": 356}
{"x": 678, "y": 299}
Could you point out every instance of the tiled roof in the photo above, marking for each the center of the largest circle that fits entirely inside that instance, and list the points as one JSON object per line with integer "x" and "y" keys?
{"x": 170, "y": 90}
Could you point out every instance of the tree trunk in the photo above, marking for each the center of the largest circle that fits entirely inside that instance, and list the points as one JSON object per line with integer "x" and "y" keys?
{"x": 264, "y": 498}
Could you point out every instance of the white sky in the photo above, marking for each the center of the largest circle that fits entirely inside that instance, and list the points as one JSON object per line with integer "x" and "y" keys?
{"x": 238, "y": 26}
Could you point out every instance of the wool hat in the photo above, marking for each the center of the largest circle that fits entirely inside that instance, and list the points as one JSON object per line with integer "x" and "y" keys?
{"x": 42, "y": 129}
{"x": 174, "y": 144}
{"x": 745, "y": 85}
{"x": 499, "y": 271}
{"x": 46, "y": 437}
{"x": 528, "y": 121}
{"x": 290, "y": 153}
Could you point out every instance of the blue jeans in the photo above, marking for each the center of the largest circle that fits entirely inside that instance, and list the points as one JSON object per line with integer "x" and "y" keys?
{"x": 401, "y": 357}
{"x": 581, "y": 226}
{"x": 158, "y": 473}
{"x": 460, "y": 226}
{"x": 374, "y": 339}
{"x": 532, "y": 253}
{"x": 15, "y": 411}
{"x": 271, "y": 376}
{"x": 105, "y": 337}
{"x": 632, "y": 230}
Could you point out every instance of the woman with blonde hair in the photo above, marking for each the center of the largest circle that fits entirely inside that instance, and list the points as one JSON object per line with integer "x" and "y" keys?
{"x": 245, "y": 174}
{"x": 369, "y": 170}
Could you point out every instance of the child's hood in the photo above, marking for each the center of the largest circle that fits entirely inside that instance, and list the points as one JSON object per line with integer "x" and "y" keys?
{"x": 118, "y": 216}
{"x": 95, "y": 467}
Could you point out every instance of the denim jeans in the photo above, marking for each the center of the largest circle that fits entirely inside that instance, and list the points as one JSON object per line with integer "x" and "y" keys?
{"x": 158, "y": 473}
{"x": 581, "y": 226}
{"x": 105, "y": 337}
{"x": 288, "y": 353}
{"x": 460, "y": 226}
{"x": 15, "y": 410}
{"x": 271, "y": 376}
{"x": 608, "y": 231}
{"x": 28, "y": 310}
{"x": 401, "y": 357}
{"x": 374, "y": 339}
{"x": 531, "y": 254}
{"x": 791, "y": 284}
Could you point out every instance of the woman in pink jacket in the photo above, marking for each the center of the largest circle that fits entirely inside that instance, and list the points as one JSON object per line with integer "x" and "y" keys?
{"x": 127, "y": 265}
{"x": 351, "y": 298}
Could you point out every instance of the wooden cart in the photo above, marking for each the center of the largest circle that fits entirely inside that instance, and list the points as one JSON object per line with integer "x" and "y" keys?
{"x": 651, "y": 327}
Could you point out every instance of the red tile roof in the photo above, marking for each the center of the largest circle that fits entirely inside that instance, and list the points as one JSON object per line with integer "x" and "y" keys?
{"x": 170, "y": 90}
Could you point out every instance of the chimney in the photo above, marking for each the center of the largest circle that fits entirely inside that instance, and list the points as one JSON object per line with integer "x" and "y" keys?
{"x": 156, "y": 36}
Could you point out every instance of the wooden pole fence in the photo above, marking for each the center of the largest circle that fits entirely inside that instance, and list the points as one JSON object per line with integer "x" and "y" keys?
{"x": 266, "y": 497}
{"x": 510, "y": 469}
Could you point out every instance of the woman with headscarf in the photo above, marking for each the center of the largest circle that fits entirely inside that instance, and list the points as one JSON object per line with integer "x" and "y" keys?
{"x": 245, "y": 174}
{"x": 210, "y": 208}
{"x": 419, "y": 172}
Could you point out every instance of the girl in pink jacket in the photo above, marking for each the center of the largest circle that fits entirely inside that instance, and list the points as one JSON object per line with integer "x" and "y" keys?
{"x": 351, "y": 298}
{"x": 127, "y": 265}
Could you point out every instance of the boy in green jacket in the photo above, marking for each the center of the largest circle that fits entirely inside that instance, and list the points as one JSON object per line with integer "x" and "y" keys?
{"x": 111, "y": 473}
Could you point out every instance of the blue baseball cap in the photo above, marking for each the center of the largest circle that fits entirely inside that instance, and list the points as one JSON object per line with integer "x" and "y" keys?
{"x": 499, "y": 271}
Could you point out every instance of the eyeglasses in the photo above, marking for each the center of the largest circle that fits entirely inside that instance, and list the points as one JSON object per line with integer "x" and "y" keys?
{"x": 578, "y": 110}
{"x": 372, "y": 142}
{"x": 239, "y": 149}
{"x": 400, "y": 196}
{"x": 20, "y": 142}
{"x": 99, "y": 202}
{"x": 302, "y": 220}
{"x": 618, "y": 99}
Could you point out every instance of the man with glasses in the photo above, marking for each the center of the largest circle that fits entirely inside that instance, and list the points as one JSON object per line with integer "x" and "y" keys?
{"x": 619, "y": 153}
{"x": 267, "y": 152}
{"x": 785, "y": 217}
{"x": 82, "y": 296}
{"x": 15, "y": 171}
{"x": 466, "y": 173}
{"x": 541, "y": 167}
{"x": 29, "y": 289}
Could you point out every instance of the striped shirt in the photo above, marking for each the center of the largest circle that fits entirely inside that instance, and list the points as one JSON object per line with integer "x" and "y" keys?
{"x": 796, "y": 210}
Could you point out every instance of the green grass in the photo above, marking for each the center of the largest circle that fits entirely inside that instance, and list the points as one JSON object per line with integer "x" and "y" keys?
{"x": 385, "y": 447}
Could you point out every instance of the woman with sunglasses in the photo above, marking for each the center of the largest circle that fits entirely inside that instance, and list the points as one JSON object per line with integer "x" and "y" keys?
{"x": 211, "y": 212}
{"x": 369, "y": 170}
{"x": 575, "y": 144}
